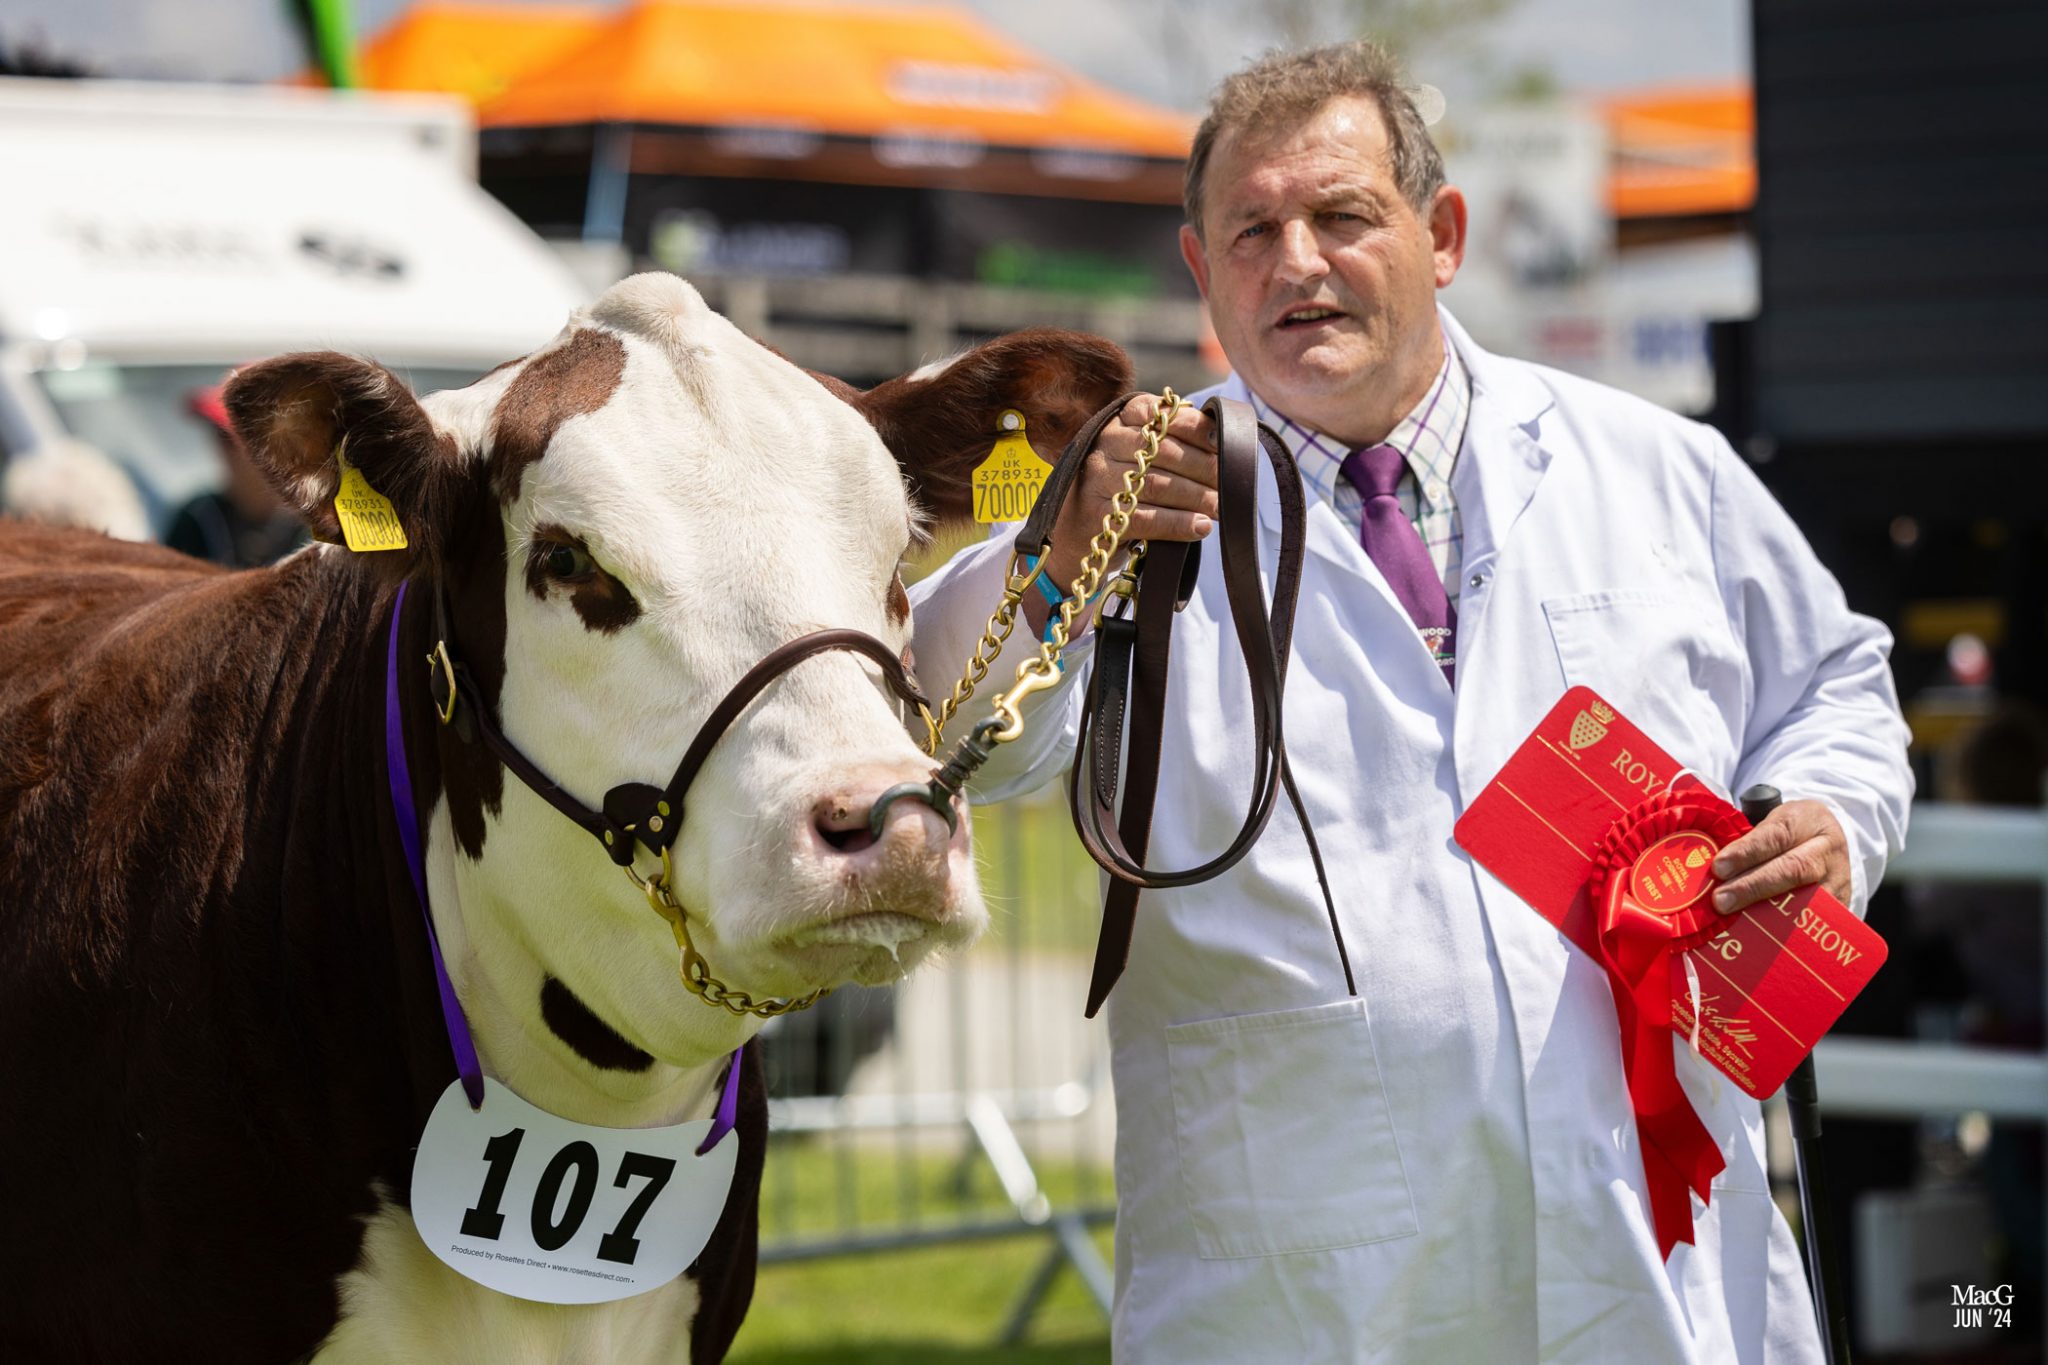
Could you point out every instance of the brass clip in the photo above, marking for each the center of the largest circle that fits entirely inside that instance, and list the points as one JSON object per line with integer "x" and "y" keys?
{"x": 1033, "y": 675}
{"x": 440, "y": 660}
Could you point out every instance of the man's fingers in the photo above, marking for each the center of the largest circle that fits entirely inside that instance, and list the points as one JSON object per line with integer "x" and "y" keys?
{"x": 1162, "y": 489}
{"x": 1802, "y": 865}
{"x": 1778, "y": 833}
{"x": 1119, "y": 451}
{"x": 1156, "y": 523}
{"x": 1192, "y": 427}
{"x": 1187, "y": 418}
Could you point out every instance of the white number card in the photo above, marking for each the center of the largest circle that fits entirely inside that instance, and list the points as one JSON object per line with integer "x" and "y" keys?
{"x": 545, "y": 1208}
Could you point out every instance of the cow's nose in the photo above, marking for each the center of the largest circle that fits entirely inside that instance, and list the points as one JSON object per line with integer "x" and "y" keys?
{"x": 846, "y": 826}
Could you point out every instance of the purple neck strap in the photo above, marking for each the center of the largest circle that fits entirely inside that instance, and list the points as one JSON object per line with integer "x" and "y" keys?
{"x": 459, "y": 1041}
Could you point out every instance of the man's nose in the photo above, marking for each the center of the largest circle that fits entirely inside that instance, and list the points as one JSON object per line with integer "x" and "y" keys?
{"x": 1301, "y": 255}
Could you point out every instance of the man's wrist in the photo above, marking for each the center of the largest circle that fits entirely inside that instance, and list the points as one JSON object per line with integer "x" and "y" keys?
{"x": 1042, "y": 601}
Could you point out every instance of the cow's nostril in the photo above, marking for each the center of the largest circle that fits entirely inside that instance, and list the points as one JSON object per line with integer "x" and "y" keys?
{"x": 847, "y": 840}
{"x": 843, "y": 830}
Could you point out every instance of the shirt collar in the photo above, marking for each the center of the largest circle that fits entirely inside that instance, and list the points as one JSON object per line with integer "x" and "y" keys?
{"x": 1428, "y": 437}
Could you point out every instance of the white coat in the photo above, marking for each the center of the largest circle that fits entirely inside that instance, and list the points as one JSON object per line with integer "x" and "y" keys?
{"x": 1446, "y": 1167}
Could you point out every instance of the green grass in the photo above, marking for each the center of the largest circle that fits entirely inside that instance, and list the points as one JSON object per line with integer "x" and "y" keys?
{"x": 1043, "y": 893}
{"x": 925, "y": 1306}
{"x": 947, "y": 1304}
{"x": 936, "y": 1304}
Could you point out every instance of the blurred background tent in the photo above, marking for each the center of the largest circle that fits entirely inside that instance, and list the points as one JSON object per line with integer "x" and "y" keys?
{"x": 781, "y": 141}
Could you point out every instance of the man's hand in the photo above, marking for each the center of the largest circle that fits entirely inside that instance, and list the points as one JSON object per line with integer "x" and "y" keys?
{"x": 1177, "y": 501}
{"x": 1798, "y": 844}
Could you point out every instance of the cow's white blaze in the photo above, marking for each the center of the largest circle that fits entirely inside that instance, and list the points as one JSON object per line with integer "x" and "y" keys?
{"x": 741, "y": 505}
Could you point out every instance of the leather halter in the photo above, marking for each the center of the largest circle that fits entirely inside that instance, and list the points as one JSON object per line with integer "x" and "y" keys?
{"x": 637, "y": 812}
{"x": 1128, "y": 686}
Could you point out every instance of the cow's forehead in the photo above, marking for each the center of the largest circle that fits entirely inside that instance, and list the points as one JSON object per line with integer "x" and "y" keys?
{"x": 649, "y": 413}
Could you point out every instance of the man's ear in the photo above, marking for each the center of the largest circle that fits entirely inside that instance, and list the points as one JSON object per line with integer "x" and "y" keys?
{"x": 1447, "y": 233}
{"x": 299, "y": 415}
{"x": 943, "y": 420}
{"x": 1197, "y": 257}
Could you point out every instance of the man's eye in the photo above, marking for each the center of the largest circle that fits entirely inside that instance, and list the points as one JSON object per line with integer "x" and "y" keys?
{"x": 1255, "y": 230}
{"x": 566, "y": 562}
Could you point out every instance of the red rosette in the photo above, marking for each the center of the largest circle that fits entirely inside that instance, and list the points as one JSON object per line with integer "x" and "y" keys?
{"x": 1651, "y": 883}
{"x": 1626, "y": 863}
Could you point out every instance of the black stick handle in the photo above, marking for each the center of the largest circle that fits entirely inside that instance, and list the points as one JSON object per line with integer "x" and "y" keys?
{"x": 1802, "y": 1100}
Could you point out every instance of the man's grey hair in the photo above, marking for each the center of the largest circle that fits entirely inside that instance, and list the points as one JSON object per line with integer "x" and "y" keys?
{"x": 1283, "y": 89}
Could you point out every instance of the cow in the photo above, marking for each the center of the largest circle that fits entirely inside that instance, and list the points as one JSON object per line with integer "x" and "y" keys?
{"x": 218, "y": 1007}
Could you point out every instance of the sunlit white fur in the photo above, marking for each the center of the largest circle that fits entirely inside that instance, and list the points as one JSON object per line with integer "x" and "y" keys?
{"x": 742, "y": 505}
{"x": 402, "y": 1304}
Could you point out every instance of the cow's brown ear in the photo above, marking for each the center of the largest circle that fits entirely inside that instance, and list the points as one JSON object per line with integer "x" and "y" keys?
{"x": 300, "y": 417}
{"x": 943, "y": 424}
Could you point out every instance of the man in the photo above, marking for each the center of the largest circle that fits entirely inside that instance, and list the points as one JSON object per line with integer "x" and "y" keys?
{"x": 243, "y": 523}
{"x": 1445, "y": 1167}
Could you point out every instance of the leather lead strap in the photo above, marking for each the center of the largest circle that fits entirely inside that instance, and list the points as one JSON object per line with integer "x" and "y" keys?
{"x": 1128, "y": 689}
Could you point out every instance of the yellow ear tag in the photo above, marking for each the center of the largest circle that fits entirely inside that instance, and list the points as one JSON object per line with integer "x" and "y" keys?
{"x": 1006, "y": 484}
{"x": 368, "y": 520}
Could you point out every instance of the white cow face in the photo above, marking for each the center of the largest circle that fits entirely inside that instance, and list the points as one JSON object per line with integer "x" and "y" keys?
{"x": 625, "y": 522}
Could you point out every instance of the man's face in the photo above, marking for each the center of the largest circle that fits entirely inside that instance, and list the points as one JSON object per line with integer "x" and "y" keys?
{"x": 1321, "y": 278}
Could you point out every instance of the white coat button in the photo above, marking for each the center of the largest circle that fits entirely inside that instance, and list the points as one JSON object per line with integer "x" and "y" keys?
{"x": 1477, "y": 580}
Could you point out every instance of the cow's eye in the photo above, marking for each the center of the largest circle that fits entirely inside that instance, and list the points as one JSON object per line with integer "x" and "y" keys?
{"x": 566, "y": 562}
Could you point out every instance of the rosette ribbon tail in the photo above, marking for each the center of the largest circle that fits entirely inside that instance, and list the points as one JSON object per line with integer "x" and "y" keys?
{"x": 1640, "y": 948}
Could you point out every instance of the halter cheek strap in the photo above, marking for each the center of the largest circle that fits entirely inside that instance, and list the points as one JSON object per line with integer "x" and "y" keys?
{"x": 399, "y": 774}
{"x": 637, "y": 812}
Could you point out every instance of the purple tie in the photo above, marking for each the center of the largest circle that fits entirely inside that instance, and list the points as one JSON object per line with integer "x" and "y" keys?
{"x": 1393, "y": 544}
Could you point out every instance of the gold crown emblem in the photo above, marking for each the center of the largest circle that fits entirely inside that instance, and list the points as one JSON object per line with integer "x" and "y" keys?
{"x": 1601, "y": 713}
{"x": 1697, "y": 858}
{"x": 1586, "y": 730}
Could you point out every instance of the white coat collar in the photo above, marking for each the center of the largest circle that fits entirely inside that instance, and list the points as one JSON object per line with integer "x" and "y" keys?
{"x": 1502, "y": 439}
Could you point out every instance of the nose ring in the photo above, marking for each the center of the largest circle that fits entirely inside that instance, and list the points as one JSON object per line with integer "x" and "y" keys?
{"x": 937, "y": 797}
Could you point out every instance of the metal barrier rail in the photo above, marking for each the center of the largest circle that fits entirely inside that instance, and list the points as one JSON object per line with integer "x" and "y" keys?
{"x": 962, "y": 1105}
{"x": 1875, "y": 1078}
{"x": 989, "y": 1067}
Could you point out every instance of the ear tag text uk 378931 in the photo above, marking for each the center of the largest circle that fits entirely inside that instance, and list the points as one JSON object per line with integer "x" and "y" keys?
{"x": 544, "y": 1208}
{"x": 1006, "y": 484}
{"x": 368, "y": 520}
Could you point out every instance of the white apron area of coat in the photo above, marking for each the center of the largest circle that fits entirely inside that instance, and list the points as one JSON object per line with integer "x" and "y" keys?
{"x": 1446, "y": 1169}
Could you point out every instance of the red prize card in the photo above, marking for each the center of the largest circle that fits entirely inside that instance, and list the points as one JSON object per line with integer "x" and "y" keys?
{"x": 1769, "y": 986}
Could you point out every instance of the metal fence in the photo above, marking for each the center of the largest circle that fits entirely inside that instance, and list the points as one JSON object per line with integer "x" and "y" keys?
{"x": 1874, "y": 1078}
{"x": 972, "y": 1101}
{"x": 968, "y": 1102}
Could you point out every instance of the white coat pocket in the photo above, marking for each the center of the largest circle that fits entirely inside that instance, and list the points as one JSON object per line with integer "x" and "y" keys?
{"x": 1285, "y": 1140}
{"x": 1663, "y": 656}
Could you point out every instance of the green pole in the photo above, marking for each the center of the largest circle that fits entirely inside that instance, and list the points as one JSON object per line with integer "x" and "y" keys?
{"x": 334, "y": 41}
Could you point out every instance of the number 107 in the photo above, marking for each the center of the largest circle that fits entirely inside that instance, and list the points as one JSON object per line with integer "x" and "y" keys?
{"x": 576, "y": 1163}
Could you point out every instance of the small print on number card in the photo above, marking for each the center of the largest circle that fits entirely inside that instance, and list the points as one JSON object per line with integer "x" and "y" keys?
{"x": 545, "y": 1208}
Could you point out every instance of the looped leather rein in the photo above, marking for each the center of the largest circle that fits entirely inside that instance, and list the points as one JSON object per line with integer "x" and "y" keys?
{"x": 636, "y": 812}
{"x": 1128, "y": 687}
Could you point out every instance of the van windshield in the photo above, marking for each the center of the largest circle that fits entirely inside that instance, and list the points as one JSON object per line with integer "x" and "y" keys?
{"x": 142, "y": 417}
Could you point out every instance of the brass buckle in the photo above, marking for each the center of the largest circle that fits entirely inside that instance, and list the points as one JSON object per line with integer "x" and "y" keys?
{"x": 447, "y": 666}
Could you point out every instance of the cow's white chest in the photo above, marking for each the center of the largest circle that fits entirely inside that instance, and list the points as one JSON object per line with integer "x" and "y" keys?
{"x": 401, "y": 1305}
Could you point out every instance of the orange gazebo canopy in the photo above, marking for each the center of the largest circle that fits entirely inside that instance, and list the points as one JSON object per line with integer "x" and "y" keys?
{"x": 908, "y": 72}
{"x": 1679, "y": 152}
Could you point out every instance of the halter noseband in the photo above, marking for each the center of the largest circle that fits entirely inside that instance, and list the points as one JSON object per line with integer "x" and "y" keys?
{"x": 635, "y": 812}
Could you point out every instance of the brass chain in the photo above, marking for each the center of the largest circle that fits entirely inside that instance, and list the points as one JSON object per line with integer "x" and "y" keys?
{"x": 1042, "y": 671}
{"x": 695, "y": 971}
{"x": 1033, "y": 675}
{"x": 993, "y": 636}
{"x": 1038, "y": 673}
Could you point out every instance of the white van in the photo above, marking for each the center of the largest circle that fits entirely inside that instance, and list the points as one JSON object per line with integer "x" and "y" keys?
{"x": 154, "y": 236}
